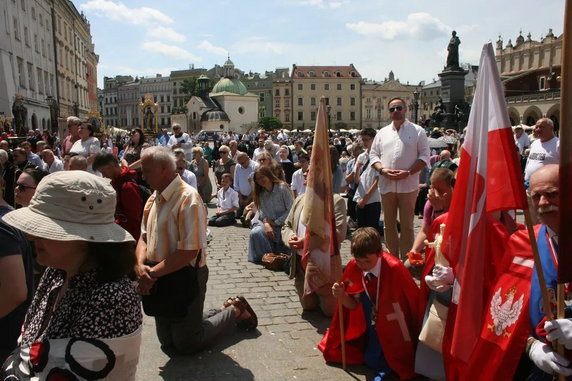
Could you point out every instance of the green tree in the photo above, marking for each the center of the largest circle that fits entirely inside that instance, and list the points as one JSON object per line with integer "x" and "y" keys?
{"x": 190, "y": 87}
{"x": 270, "y": 123}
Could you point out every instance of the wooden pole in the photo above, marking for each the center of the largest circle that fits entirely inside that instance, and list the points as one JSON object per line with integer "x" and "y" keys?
{"x": 342, "y": 334}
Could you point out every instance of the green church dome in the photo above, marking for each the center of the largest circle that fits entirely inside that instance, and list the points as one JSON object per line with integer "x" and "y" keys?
{"x": 232, "y": 85}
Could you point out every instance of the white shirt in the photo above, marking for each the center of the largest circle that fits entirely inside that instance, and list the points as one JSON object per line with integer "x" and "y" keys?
{"x": 184, "y": 140}
{"x": 190, "y": 178}
{"x": 242, "y": 176}
{"x": 89, "y": 146}
{"x": 399, "y": 150}
{"x": 366, "y": 179}
{"x": 298, "y": 182}
{"x": 257, "y": 152}
{"x": 228, "y": 199}
{"x": 542, "y": 154}
{"x": 376, "y": 270}
{"x": 56, "y": 166}
{"x": 522, "y": 142}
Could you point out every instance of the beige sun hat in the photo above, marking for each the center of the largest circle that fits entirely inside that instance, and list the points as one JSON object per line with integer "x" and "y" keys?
{"x": 71, "y": 206}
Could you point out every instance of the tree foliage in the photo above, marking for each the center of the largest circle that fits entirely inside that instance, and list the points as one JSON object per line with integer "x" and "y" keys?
{"x": 190, "y": 87}
{"x": 270, "y": 123}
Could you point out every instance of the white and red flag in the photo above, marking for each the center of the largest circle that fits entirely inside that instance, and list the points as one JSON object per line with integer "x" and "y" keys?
{"x": 489, "y": 179}
{"x": 320, "y": 242}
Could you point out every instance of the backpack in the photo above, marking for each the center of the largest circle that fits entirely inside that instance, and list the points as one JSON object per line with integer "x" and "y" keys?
{"x": 144, "y": 191}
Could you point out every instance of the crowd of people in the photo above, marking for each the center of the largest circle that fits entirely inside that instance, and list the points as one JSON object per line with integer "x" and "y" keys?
{"x": 92, "y": 225}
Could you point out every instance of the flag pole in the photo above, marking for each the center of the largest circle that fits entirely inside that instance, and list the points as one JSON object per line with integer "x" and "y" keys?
{"x": 565, "y": 171}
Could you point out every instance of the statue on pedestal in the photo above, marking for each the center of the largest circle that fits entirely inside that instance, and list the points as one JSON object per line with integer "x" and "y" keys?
{"x": 20, "y": 113}
{"x": 453, "y": 49}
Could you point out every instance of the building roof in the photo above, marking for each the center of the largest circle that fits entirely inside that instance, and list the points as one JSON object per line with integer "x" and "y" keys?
{"x": 325, "y": 72}
{"x": 231, "y": 85}
{"x": 214, "y": 115}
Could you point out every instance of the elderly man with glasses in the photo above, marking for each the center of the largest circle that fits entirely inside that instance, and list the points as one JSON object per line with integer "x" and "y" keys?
{"x": 73, "y": 127}
{"x": 399, "y": 152}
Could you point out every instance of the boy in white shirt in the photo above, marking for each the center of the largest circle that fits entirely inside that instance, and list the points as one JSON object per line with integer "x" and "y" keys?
{"x": 226, "y": 204}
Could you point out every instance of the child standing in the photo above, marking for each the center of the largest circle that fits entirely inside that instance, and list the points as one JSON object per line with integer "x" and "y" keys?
{"x": 381, "y": 312}
{"x": 226, "y": 203}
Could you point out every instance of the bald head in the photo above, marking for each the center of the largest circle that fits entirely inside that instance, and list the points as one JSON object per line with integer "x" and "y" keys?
{"x": 445, "y": 154}
{"x": 48, "y": 156}
{"x": 544, "y": 192}
{"x": 78, "y": 163}
{"x": 544, "y": 129}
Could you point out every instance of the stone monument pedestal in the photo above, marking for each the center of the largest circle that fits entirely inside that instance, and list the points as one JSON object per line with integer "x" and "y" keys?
{"x": 452, "y": 93}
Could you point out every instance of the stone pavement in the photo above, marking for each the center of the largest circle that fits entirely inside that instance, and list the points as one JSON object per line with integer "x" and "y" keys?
{"x": 282, "y": 348}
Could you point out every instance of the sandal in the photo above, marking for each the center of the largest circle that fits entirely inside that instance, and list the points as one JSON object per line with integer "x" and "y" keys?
{"x": 249, "y": 323}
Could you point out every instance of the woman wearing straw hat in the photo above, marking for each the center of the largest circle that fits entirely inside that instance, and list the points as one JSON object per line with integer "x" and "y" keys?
{"x": 85, "y": 319}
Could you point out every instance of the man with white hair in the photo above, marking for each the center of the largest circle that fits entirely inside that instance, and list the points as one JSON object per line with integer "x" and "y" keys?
{"x": 181, "y": 139}
{"x": 73, "y": 127}
{"x": 53, "y": 164}
{"x": 175, "y": 247}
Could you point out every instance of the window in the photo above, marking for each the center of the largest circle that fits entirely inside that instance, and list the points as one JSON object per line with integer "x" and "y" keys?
{"x": 339, "y": 115}
{"x": 47, "y": 83}
{"x": 286, "y": 92}
{"x": 542, "y": 83}
{"x": 300, "y": 74}
{"x": 326, "y": 74}
{"x": 300, "y": 86}
{"x": 368, "y": 113}
{"x": 31, "y": 83}
{"x": 312, "y": 101}
{"x": 261, "y": 97}
{"x": 300, "y": 101}
{"x": 338, "y": 74}
{"x": 21, "y": 78}
{"x": 311, "y": 74}
{"x": 287, "y": 117}
{"x": 16, "y": 29}
{"x": 24, "y": 5}
{"x": 327, "y": 101}
{"x": 339, "y": 86}
{"x": 40, "y": 80}
{"x": 41, "y": 20}
{"x": 352, "y": 86}
{"x": 352, "y": 115}
{"x": 43, "y": 48}
{"x": 300, "y": 115}
{"x": 313, "y": 86}
{"x": 313, "y": 115}
{"x": 326, "y": 86}
{"x": 162, "y": 110}
{"x": 277, "y": 92}
{"x": 162, "y": 98}
{"x": 276, "y": 102}
{"x": 286, "y": 102}
{"x": 339, "y": 101}
{"x": 33, "y": 13}
{"x": 168, "y": 98}
{"x": 352, "y": 101}
{"x": 26, "y": 36}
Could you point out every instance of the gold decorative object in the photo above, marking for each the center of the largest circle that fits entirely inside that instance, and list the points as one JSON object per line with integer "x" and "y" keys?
{"x": 149, "y": 115}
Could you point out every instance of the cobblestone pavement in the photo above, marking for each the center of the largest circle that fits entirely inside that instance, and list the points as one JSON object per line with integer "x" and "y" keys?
{"x": 282, "y": 348}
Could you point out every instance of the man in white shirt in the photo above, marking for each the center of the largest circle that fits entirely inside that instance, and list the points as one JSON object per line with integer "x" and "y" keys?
{"x": 242, "y": 180}
{"x": 521, "y": 139}
{"x": 298, "y": 185}
{"x": 399, "y": 151}
{"x": 53, "y": 164}
{"x": 181, "y": 139}
{"x": 187, "y": 176}
{"x": 258, "y": 150}
{"x": 544, "y": 150}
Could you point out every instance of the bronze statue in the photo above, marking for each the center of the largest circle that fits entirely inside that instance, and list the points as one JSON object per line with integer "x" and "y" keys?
{"x": 149, "y": 123}
{"x": 20, "y": 113}
{"x": 453, "y": 49}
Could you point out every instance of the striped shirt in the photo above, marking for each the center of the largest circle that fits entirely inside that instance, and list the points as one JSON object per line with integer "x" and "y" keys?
{"x": 174, "y": 220}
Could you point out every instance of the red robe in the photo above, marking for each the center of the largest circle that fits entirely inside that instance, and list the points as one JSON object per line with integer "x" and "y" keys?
{"x": 398, "y": 337}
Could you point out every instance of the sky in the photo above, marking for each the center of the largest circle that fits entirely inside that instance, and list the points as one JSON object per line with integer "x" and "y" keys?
{"x": 409, "y": 37}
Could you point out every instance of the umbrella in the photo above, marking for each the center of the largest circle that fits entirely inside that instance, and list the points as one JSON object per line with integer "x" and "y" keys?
{"x": 354, "y": 131}
{"x": 307, "y": 130}
{"x": 448, "y": 139}
{"x": 436, "y": 143}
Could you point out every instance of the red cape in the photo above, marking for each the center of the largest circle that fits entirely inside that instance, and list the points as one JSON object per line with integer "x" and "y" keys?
{"x": 398, "y": 291}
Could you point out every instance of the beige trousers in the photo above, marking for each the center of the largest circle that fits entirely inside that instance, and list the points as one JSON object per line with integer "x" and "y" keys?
{"x": 391, "y": 203}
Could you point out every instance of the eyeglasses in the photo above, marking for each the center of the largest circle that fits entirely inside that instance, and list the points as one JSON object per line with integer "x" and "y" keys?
{"x": 398, "y": 108}
{"x": 22, "y": 187}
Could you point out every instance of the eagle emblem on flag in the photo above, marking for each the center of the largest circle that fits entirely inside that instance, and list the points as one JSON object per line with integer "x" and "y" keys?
{"x": 504, "y": 314}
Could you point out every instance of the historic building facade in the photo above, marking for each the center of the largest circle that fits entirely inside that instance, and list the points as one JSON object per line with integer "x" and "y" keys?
{"x": 530, "y": 72}
{"x": 282, "y": 97}
{"x": 27, "y": 65}
{"x": 340, "y": 85}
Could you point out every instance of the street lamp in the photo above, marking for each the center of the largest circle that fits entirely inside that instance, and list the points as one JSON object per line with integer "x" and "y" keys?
{"x": 416, "y": 105}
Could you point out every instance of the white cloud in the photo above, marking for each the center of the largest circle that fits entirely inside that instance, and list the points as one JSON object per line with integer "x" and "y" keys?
{"x": 219, "y": 51}
{"x": 170, "y": 51}
{"x": 260, "y": 45}
{"x": 331, "y": 4}
{"x": 165, "y": 33}
{"x": 117, "y": 11}
{"x": 417, "y": 26}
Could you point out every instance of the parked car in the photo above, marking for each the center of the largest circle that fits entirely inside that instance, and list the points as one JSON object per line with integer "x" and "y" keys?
{"x": 204, "y": 135}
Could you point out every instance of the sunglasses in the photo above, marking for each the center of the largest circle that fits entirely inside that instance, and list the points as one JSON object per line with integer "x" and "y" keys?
{"x": 398, "y": 108}
{"x": 22, "y": 187}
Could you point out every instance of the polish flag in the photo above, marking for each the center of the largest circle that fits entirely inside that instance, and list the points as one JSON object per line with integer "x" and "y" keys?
{"x": 320, "y": 241}
{"x": 488, "y": 180}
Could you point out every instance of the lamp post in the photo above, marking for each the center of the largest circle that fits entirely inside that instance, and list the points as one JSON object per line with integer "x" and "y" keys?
{"x": 416, "y": 105}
